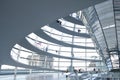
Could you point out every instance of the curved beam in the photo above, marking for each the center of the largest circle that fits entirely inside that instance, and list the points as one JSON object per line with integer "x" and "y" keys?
{"x": 73, "y": 20}
{"x": 24, "y": 43}
{"x": 43, "y": 35}
{"x": 18, "y": 64}
{"x": 57, "y": 26}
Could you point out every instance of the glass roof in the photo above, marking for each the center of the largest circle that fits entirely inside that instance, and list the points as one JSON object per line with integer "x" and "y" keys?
{"x": 103, "y": 24}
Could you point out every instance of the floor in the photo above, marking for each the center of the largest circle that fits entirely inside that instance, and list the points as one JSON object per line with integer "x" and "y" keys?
{"x": 40, "y": 76}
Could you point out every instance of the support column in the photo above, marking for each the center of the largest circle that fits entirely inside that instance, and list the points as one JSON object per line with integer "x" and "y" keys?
{"x": 119, "y": 58}
{"x": 0, "y": 67}
{"x": 85, "y": 53}
{"x": 15, "y": 70}
{"x": 72, "y": 54}
{"x": 15, "y": 73}
{"x": 30, "y": 71}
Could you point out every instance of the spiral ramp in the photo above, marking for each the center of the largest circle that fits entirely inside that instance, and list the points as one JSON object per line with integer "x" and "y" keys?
{"x": 57, "y": 45}
{"x": 39, "y": 45}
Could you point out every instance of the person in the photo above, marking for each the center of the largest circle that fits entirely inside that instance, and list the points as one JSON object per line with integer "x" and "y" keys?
{"x": 46, "y": 49}
{"x": 75, "y": 71}
{"x": 67, "y": 71}
{"x": 58, "y": 22}
{"x": 108, "y": 78}
{"x": 56, "y": 51}
{"x": 67, "y": 77}
{"x": 79, "y": 30}
{"x": 94, "y": 69}
{"x": 98, "y": 70}
{"x": 79, "y": 70}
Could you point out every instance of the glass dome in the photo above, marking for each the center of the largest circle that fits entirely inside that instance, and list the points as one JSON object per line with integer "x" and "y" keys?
{"x": 59, "y": 45}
